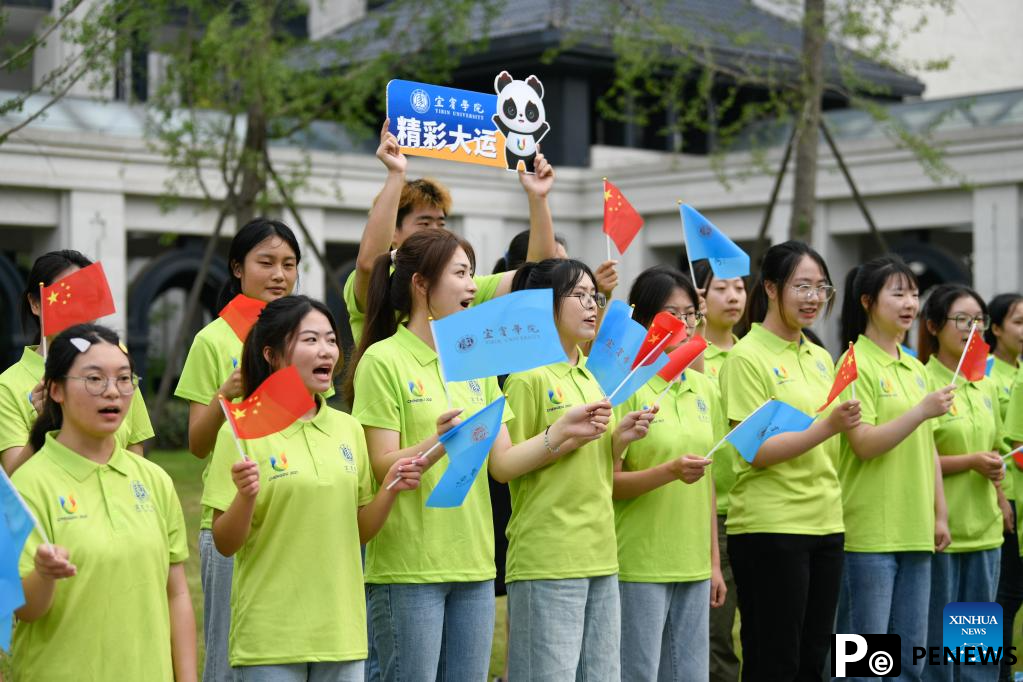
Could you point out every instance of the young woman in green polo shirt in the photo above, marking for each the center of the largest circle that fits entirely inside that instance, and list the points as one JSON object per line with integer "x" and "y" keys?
{"x": 665, "y": 520}
{"x": 967, "y": 438}
{"x": 263, "y": 263}
{"x": 430, "y": 571}
{"x": 562, "y": 569}
{"x": 892, "y": 494}
{"x": 295, "y": 512}
{"x": 785, "y": 511}
{"x": 725, "y": 302}
{"x": 108, "y": 600}
{"x": 1005, "y": 336}
{"x": 21, "y": 384}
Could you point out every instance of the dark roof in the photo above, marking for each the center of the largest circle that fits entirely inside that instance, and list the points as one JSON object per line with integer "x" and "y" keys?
{"x": 739, "y": 34}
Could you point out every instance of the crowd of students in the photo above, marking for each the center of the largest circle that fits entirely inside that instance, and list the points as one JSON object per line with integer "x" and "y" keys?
{"x": 628, "y": 551}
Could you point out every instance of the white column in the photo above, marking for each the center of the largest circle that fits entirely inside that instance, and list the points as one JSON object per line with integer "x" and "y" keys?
{"x": 93, "y": 223}
{"x": 312, "y": 278}
{"x": 57, "y": 51}
{"x": 997, "y": 240}
{"x": 488, "y": 239}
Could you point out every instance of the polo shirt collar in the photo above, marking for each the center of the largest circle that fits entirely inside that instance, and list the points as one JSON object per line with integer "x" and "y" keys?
{"x": 80, "y": 467}
{"x": 563, "y": 368}
{"x": 943, "y": 372}
{"x": 714, "y": 351}
{"x": 658, "y": 384}
{"x": 775, "y": 343}
{"x": 33, "y": 361}
{"x": 319, "y": 420}
{"x": 414, "y": 345}
{"x": 879, "y": 355}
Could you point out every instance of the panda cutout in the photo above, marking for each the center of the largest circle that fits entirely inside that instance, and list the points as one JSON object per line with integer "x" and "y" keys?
{"x": 521, "y": 118}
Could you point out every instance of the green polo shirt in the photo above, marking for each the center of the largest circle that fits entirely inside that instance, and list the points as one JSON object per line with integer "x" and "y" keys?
{"x": 398, "y": 387}
{"x": 888, "y": 501}
{"x": 1004, "y": 376}
{"x": 974, "y": 424}
{"x": 562, "y": 523}
{"x": 300, "y": 570}
{"x": 17, "y": 415}
{"x": 1014, "y": 412}
{"x": 122, "y": 525}
{"x": 486, "y": 287}
{"x": 800, "y": 496}
{"x": 723, "y": 468}
{"x": 664, "y": 535}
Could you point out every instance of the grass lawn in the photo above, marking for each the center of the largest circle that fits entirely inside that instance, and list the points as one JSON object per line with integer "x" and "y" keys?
{"x": 186, "y": 471}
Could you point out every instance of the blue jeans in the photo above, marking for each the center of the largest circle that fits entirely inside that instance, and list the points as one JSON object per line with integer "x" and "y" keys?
{"x": 565, "y": 630}
{"x": 665, "y": 631}
{"x": 328, "y": 671}
{"x": 433, "y": 631}
{"x": 216, "y": 571}
{"x": 963, "y": 576}
{"x": 372, "y": 664}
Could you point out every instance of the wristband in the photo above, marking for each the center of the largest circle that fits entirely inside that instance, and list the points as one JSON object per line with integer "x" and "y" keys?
{"x": 547, "y": 442}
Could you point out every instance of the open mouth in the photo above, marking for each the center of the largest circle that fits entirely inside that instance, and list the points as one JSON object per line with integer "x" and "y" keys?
{"x": 466, "y": 302}
{"x": 808, "y": 312}
{"x": 322, "y": 372}
{"x": 110, "y": 409}
{"x": 591, "y": 320}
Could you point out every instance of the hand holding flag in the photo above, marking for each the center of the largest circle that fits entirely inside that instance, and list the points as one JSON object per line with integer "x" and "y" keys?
{"x": 82, "y": 296}
{"x": 973, "y": 361}
{"x": 467, "y": 446}
{"x": 847, "y": 374}
{"x": 241, "y": 313}
{"x": 621, "y": 221}
{"x": 770, "y": 419}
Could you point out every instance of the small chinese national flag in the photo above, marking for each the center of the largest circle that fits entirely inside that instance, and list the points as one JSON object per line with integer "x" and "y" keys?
{"x": 273, "y": 407}
{"x": 682, "y": 357}
{"x": 82, "y": 296}
{"x": 847, "y": 374}
{"x": 662, "y": 329}
{"x": 241, "y": 313}
{"x": 621, "y": 222}
{"x": 974, "y": 360}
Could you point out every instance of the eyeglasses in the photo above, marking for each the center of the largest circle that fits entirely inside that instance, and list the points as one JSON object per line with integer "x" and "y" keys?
{"x": 964, "y": 322}
{"x": 590, "y": 300}
{"x": 96, "y": 384}
{"x": 691, "y": 319}
{"x": 823, "y": 292}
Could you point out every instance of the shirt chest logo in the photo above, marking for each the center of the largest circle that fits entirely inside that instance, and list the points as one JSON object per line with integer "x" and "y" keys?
{"x": 70, "y": 507}
{"x": 887, "y": 387}
{"x": 477, "y": 391}
{"x": 279, "y": 464}
{"x": 822, "y": 369}
{"x": 143, "y": 502}
{"x": 781, "y": 374}
{"x": 349, "y": 458}
{"x": 417, "y": 392}
{"x": 556, "y": 399}
{"x": 920, "y": 383}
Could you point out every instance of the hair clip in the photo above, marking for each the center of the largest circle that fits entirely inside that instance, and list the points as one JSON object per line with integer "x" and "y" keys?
{"x": 393, "y": 251}
{"x": 124, "y": 348}
{"x": 81, "y": 344}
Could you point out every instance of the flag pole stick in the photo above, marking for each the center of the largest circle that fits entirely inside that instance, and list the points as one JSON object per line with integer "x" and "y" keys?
{"x": 234, "y": 434}
{"x": 422, "y": 456}
{"x": 440, "y": 364}
{"x": 661, "y": 394}
{"x": 689, "y": 258}
{"x": 606, "y": 235}
{"x": 42, "y": 329}
{"x": 721, "y": 442}
{"x": 962, "y": 357}
{"x": 651, "y": 354}
{"x": 28, "y": 510}
{"x": 1014, "y": 452}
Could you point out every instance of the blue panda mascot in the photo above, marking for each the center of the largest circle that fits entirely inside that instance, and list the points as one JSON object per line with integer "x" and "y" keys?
{"x": 521, "y": 118}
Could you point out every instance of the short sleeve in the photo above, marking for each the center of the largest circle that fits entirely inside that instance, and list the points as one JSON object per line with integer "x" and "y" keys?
{"x": 866, "y": 386}
{"x": 13, "y": 430}
{"x": 174, "y": 517}
{"x": 717, "y": 411}
{"x": 742, "y": 388}
{"x": 199, "y": 380}
{"x": 356, "y": 316}
{"x": 523, "y": 403}
{"x": 219, "y": 489}
{"x": 493, "y": 392}
{"x": 367, "y": 483}
{"x": 486, "y": 287}
{"x": 139, "y": 426}
{"x": 376, "y": 401}
{"x": 999, "y": 439}
{"x": 1014, "y": 415}
{"x": 26, "y": 561}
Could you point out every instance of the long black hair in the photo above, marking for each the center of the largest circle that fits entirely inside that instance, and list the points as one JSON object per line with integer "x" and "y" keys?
{"x": 868, "y": 279}
{"x": 654, "y": 287}
{"x": 46, "y": 269}
{"x": 780, "y": 261}
{"x": 275, "y": 329}
{"x": 559, "y": 274}
{"x": 935, "y": 312}
{"x": 247, "y": 238}
{"x": 1001, "y": 307}
{"x": 59, "y": 358}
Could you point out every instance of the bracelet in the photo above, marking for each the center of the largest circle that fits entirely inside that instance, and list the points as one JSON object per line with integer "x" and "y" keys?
{"x": 547, "y": 442}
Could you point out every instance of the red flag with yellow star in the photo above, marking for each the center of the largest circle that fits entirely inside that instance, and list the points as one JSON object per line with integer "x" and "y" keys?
{"x": 273, "y": 407}
{"x": 847, "y": 373}
{"x": 241, "y": 313}
{"x": 621, "y": 222}
{"x": 664, "y": 327}
{"x": 974, "y": 358}
{"x": 82, "y": 296}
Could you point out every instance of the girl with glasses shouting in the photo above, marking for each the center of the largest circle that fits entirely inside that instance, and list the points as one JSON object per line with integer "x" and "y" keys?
{"x": 967, "y": 437}
{"x": 108, "y": 599}
{"x": 664, "y": 507}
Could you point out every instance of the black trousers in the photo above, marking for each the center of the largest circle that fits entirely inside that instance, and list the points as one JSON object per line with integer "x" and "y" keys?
{"x": 788, "y": 593}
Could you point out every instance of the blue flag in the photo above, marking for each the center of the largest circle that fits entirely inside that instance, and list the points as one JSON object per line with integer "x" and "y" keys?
{"x": 467, "y": 446}
{"x": 511, "y": 333}
{"x": 14, "y": 531}
{"x": 772, "y": 418}
{"x": 636, "y": 381}
{"x": 615, "y": 347}
{"x": 703, "y": 240}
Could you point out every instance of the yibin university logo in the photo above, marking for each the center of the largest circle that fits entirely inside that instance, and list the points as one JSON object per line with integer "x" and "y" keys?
{"x": 420, "y": 101}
